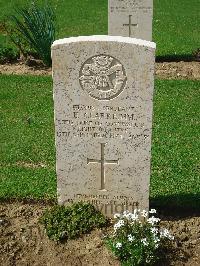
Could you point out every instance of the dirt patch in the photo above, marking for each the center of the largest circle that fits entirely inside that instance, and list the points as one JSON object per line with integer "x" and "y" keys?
{"x": 165, "y": 70}
{"x": 23, "y": 242}
{"x": 23, "y": 69}
{"x": 178, "y": 70}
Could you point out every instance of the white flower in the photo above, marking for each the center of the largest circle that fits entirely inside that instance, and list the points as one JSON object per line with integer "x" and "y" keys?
{"x": 171, "y": 237}
{"x": 144, "y": 213}
{"x": 154, "y": 230}
{"x": 125, "y": 213}
{"x": 136, "y": 211}
{"x": 130, "y": 216}
{"x": 118, "y": 245}
{"x": 130, "y": 238}
{"x": 148, "y": 260}
{"x": 165, "y": 233}
{"x": 152, "y": 211}
{"x": 152, "y": 220}
{"x": 133, "y": 217}
{"x": 121, "y": 222}
{"x": 156, "y": 239}
{"x": 144, "y": 242}
{"x": 118, "y": 224}
{"x": 117, "y": 215}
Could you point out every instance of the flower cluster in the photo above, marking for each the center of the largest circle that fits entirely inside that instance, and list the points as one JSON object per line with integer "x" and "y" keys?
{"x": 132, "y": 217}
{"x": 137, "y": 237}
{"x": 118, "y": 224}
{"x": 152, "y": 220}
{"x": 164, "y": 233}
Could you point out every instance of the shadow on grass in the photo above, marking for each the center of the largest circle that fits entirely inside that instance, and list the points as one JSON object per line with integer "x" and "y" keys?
{"x": 181, "y": 205}
{"x": 175, "y": 58}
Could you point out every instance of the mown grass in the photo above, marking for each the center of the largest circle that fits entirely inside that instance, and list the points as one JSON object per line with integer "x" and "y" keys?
{"x": 175, "y": 179}
{"x": 27, "y": 137}
{"x": 175, "y": 26}
{"x": 27, "y": 141}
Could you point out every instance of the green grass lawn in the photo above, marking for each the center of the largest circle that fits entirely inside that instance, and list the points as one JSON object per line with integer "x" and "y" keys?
{"x": 27, "y": 140}
{"x": 175, "y": 26}
{"x": 175, "y": 179}
{"x": 27, "y": 135}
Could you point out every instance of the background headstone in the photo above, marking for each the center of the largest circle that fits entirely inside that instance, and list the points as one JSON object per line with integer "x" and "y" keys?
{"x": 130, "y": 18}
{"x": 103, "y": 97}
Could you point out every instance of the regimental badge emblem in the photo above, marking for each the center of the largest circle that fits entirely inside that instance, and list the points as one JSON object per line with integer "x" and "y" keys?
{"x": 103, "y": 77}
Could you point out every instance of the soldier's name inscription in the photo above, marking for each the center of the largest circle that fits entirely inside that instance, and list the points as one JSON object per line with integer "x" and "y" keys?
{"x": 107, "y": 122}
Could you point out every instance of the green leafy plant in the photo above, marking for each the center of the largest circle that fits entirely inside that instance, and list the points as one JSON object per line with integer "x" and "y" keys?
{"x": 70, "y": 222}
{"x": 8, "y": 54}
{"x": 197, "y": 54}
{"x": 137, "y": 238}
{"x": 34, "y": 27}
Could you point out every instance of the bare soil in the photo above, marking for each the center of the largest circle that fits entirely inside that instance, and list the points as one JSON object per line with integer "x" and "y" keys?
{"x": 22, "y": 69}
{"x": 23, "y": 241}
{"x": 178, "y": 70}
{"x": 165, "y": 70}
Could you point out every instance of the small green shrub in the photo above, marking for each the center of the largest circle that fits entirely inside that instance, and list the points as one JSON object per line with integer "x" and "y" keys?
{"x": 197, "y": 54}
{"x": 70, "y": 222}
{"x": 8, "y": 54}
{"x": 33, "y": 29}
{"x": 137, "y": 239}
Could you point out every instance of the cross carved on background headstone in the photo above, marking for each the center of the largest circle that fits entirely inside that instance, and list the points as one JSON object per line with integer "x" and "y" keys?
{"x": 130, "y": 25}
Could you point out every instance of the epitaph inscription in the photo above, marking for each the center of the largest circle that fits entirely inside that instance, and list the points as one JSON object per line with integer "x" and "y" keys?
{"x": 103, "y": 95}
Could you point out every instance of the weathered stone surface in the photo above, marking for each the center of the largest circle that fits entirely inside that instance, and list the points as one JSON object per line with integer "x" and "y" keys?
{"x": 103, "y": 96}
{"x": 130, "y": 18}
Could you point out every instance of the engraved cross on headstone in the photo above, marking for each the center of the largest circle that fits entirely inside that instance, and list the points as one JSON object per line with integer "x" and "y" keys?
{"x": 130, "y": 25}
{"x": 103, "y": 162}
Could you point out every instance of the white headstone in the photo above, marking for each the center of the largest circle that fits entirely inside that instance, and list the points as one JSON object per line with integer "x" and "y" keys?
{"x": 103, "y": 96}
{"x": 130, "y": 18}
